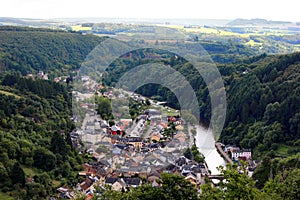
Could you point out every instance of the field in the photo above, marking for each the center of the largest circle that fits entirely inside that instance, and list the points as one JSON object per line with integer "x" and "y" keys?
{"x": 253, "y": 43}
{"x": 80, "y": 28}
{"x": 283, "y": 150}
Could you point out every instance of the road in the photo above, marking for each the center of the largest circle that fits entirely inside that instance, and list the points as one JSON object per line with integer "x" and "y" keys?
{"x": 223, "y": 154}
{"x": 191, "y": 137}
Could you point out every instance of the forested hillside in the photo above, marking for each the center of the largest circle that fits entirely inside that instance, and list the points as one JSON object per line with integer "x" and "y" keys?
{"x": 263, "y": 110}
{"x": 31, "y": 50}
{"x": 263, "y": 94}
{"x": 34, "y": 137}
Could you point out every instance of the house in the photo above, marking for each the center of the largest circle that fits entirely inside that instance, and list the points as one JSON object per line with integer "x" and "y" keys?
{"x": 179, "y": 127}
{"x": 154, "y": 176}
{"x": 117, "y": 184}
{"x": 126, "y": 122}
{"x": 192, "y": 178}
{"x": 246, "y": 153}
{"x": 230, "y": 148}
{"x": 85, "y": 185}
{"x": 116, "y": 151}
{"x": 155, "y": 137}
{"x": 153, "y": 146}
{"x": 132, "y": 182}
{"x": 135, "y": 141}
{"x": 176, "y": 120}
{"x": 155, "y": 184}
{"x": 114, "y": 130}
{"x": 110, "y": 180}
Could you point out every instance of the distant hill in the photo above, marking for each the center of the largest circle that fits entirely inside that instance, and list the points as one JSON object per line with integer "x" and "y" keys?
{"x": 255, "y": 22}
{"x": 28, "y": 50}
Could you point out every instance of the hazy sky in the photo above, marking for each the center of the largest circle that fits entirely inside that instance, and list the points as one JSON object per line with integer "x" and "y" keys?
{"x": 287, "y": 10}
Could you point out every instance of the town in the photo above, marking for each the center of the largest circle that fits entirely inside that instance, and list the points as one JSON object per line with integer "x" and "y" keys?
{"x": 128, "y": 152}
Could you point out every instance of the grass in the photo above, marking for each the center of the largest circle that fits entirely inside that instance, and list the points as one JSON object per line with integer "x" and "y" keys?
{"x": 56, "y": 183}
{"x": 9, "y": 94}
{"x": 4, "y": 196}
{"x": 166, "y": 111}
{"x": 283, "y": 149}
{"x": 30, "y": 172}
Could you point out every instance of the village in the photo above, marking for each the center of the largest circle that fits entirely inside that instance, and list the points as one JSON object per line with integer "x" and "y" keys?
{"x": 129, "y": 152}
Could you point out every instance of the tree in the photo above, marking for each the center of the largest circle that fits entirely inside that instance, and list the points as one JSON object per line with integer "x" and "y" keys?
{"x": 4, "y": 176}
{"x": 44, "y": 159}
{"x": 176, "y": 187}
{"x": 188, "y": 154}
{"x": 173, "y": 187}
{"x": 237, "y": 185}
{"x": 104, "y": 107}
{"x": 59, "y": 145}
{"x": 148, "y": 103}
{"x": 284, "y": 186}
{"x": 17, "y": 174}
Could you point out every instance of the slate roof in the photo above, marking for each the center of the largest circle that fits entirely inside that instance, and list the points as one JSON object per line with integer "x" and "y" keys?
{"x": 132, "y": 181}
{"x": 110, "y": 180}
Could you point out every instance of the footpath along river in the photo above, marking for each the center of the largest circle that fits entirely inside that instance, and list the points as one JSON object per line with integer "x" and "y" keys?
{"x": 205, "y": 141}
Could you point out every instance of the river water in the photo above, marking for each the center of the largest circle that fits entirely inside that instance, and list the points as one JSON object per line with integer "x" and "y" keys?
{"x": 205, "y": 142}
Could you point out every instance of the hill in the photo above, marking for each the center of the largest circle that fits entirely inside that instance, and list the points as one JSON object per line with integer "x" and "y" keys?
{"x": 34, "y": 138}
{"x": 29, "y": 50}
{"x": 263, "y": 106}
{"x": 255, "y": 22}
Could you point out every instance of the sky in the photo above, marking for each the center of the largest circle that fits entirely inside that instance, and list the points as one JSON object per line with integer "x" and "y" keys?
{"x": 286, "y": 10}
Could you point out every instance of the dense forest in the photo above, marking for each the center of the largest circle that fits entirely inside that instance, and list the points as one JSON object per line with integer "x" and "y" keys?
{"x": 29, "y": 50}
{"x": 34, "y": 137}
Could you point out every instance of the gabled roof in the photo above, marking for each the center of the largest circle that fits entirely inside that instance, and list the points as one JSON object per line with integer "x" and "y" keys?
{"x": 134, "y": 139}
{"x": 115, "y": 128}
{"x": 104, "y": 163}
{"x": 110, "y": 180}
{"x": 132, "y": 181}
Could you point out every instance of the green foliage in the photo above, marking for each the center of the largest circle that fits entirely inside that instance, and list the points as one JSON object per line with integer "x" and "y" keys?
{"x": 173, "y": 187}
{"x": 285, "y": 185}
{"x": 104, "y": 107}
{"x": 55, "y": 52}
{"x": 197, "y": 156}
{"x": 34, "y": 133}
{"x": 263, "y": 106}
{"x": 270, "y": 168}
{"x": 17, "y": 174}
{"x": 188, "y": 154}
{"x": 236, "y": 185}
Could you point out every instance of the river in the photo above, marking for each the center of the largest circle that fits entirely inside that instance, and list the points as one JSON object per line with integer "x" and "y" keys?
{"x": 205, "y": 141}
